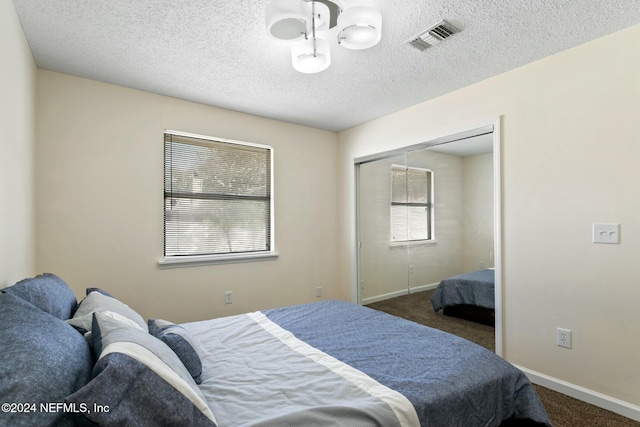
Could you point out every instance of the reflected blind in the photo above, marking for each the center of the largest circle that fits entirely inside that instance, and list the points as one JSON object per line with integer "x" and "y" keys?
{"x": 217, "y": 196}
{"x": 411, "y": 203}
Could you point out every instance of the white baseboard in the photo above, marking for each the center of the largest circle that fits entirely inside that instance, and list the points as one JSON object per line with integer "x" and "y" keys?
{"x": 423, "y": 288}
{"x": 399, "y": 293}
{"x": 603, "y": 401}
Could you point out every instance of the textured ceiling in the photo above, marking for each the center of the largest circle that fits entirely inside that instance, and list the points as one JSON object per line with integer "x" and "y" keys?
{"x": 218, "y": 53}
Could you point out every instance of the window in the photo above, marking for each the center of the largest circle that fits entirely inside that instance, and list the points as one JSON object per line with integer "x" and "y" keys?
{"x": 217, "y": 198}
{"x": 411, "y": 204}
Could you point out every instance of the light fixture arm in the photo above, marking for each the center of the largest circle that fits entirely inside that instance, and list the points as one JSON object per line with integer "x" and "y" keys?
{"x": 313, "y": 28}
{"x": 334, "y": 9}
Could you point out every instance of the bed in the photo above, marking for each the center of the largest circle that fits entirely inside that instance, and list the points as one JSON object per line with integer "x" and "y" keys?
{"x": 97, "y": 362}
{"x": 469, "y": 296}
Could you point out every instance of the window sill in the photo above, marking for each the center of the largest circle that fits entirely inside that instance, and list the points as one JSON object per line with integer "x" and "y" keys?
{"x": 413, "y": 243}
{"x": 194, "y": 261}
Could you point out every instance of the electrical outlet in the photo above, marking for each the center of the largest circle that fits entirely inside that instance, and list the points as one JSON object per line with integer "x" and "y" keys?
{"x": 228, "y": 297}
{"x": 318, "y": 292}
{"x": 564, "y": 337}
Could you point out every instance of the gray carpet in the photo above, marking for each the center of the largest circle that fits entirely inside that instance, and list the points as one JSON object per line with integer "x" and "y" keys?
{"x": 563, "y": 410}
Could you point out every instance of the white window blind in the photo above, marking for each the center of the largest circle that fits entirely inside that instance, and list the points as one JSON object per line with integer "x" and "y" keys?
{"x": 411, "y": 204}
{"x": 217, "y": 196}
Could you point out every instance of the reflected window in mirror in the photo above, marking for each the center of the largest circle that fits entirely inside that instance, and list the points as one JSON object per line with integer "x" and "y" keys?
{"x": 411, "y": 204}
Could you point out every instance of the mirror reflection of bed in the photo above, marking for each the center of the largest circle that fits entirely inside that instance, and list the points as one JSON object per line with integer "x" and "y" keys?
{"x": 444, "y": 281}
{"x": 468, "y": 296}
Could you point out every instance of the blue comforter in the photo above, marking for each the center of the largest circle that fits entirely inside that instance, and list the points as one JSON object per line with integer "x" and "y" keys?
{"x": 450, "y": 381}
{"x": 475, "y": 288}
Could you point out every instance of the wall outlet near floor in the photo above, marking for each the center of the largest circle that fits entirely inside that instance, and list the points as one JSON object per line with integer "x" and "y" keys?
{"x": 228, "y": 297}
{"x": 564, "y": 337}
{"x": 318, "y": 291}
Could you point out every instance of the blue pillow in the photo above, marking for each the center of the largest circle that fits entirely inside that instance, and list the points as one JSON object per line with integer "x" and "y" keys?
{"x": 181, "y": 342}
{"x": 42, "y": 360}
{"x": 140, "y": 380}
{"x": 48, "y": 292}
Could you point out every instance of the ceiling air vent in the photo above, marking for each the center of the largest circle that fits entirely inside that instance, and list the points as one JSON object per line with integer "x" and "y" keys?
{"x": 432, "y": 36}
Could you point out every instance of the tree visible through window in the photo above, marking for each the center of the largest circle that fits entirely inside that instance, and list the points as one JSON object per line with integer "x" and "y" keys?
{"x": 217, "y": 196}
{"x": 411, "y": 204}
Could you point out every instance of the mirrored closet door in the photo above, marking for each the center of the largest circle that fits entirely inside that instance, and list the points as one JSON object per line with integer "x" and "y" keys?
{"x": 424, "y": 213}
{"x": 383, "y": 258}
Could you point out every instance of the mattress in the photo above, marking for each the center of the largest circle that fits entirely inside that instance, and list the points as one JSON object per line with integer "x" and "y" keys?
{"x": 337, "y": 363}
{"x": 475, "y": 288}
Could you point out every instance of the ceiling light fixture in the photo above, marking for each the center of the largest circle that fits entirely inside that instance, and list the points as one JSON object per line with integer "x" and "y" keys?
{"x": 307, "y": 23}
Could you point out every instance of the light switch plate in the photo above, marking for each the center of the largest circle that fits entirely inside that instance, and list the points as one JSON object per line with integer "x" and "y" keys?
{"x": 606, "y": 233}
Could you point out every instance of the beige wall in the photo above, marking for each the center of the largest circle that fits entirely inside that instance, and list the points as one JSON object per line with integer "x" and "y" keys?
{"x": 477, "y": 195}
{"x": 570, "y": 152}
{"x": 17, "y": 110}
{"x": 99, "y": 180}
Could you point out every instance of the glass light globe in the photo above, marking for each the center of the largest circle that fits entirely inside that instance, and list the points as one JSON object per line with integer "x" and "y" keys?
{"x": 360, "y": 27}
{"x": 305, "y": 61}
{"x": 287, "y": 20}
